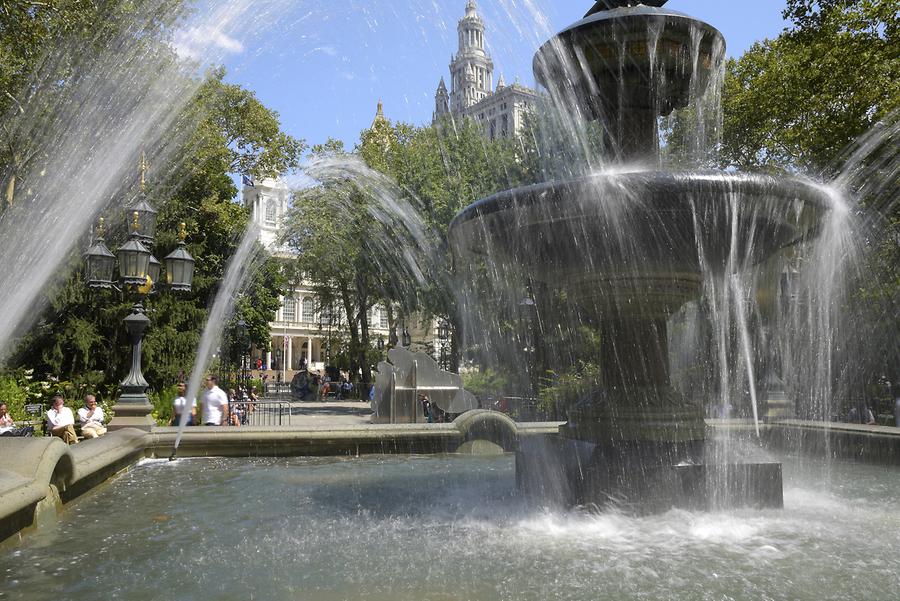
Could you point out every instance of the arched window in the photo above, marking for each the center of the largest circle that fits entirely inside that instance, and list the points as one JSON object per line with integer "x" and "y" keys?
{"x": 271, "y": 211}
{"x": 289, "y": 309}
{"x": 309, "y": 315}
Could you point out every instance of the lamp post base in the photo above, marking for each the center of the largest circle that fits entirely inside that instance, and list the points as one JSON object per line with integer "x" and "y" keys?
{"x": 132, "y": 411}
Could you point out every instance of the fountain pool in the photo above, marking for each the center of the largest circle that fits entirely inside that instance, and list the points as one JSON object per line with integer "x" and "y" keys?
{"x": 448, "y": 527}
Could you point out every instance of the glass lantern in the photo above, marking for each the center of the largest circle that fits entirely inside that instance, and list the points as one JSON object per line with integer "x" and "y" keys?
{"x": 99, "y": 263}
{"x": 154, "y": 267}
{"x": 146, "y": 219}
{"x": 180, "y": 265}
{"x": 134, "y": 258}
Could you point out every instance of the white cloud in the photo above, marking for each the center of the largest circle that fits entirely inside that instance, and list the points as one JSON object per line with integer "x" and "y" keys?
{"x": 206, "y": 41}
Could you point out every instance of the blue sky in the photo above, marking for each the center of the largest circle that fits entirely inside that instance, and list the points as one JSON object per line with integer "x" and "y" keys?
{"x": 323, "y": 64}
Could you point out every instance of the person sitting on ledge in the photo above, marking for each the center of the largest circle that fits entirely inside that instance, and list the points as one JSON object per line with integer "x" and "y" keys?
{"x": 62, "y": 421}
{"x": 8, "y": 426}
{"x": 91, "y": 418}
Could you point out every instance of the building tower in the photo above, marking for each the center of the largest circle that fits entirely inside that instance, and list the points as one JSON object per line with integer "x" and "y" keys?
{"x": 472, "y": 69}
{"x": 441, "y": 101}
{"x": 268, "y": 203}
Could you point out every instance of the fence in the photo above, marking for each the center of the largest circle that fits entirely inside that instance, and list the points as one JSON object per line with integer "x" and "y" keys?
{"x": 262, "y": 413}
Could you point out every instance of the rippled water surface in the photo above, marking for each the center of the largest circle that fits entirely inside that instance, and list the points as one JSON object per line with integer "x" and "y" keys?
{"x": 447, "y": 528}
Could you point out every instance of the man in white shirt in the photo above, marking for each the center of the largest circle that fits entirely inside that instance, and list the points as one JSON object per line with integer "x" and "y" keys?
{"x": 215, "y": 403}
{"x": 179, "y": 405}
{"x": 91, "y": 418}
{"x": 62, "y": 421}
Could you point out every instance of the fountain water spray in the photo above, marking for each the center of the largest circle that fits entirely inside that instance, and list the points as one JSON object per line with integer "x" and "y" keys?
{"x": 248, "y": 257}
{"x": 84, "y": 138}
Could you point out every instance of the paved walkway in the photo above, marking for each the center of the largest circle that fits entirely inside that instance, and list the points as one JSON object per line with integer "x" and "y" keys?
{"x": 332, "y": 413}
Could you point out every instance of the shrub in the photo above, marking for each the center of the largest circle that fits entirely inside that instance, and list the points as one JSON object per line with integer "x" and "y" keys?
{"x": 162, "y": 404}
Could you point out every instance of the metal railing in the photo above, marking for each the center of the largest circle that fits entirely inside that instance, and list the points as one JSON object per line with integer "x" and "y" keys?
{"x": 261, "y": 413}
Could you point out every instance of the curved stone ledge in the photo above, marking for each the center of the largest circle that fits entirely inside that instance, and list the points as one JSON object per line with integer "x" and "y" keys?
{"x": 28, "y": 467}
{"x": 291, "y": 441}
{"x": 35, "y": 469}
{"x": 492, "y": 426}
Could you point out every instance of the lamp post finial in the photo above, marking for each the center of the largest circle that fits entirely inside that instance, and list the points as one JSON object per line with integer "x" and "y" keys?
{"x": 144, "y": 167}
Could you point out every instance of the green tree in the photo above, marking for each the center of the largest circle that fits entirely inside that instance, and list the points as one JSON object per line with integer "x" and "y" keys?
{"x": 35, "y": 77}
{"x": 443, "y": 169}
{"x": 82, "y": 330}
{"x": 797, "y": 101}
{"x": 332, "y": 229}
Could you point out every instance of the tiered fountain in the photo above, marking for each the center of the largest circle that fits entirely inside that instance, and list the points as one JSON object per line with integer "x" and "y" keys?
{"x": 629, "y": 246}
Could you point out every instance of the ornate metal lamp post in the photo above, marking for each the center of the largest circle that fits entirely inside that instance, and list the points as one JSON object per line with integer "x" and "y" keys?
{"x": 139, "y": 271}
{"x": 443, "y": 332}
{"x": 243, "y": 340}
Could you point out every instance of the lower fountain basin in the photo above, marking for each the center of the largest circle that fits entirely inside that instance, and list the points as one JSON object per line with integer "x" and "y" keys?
{"x": 615, "y": 239}
{"x": 448, "y": 528}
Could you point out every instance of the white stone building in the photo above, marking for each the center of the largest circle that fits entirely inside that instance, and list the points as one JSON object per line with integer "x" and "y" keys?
{"x": 303, "y": 331}
{"x": 500, "y": 111}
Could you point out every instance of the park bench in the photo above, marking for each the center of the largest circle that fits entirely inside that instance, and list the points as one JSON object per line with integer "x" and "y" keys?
{"x": 37, "y": 420}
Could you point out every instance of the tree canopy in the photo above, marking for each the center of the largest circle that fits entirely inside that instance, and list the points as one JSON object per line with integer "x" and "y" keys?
{"x": 222, "y": 131}
{"x": 796, "y": 102}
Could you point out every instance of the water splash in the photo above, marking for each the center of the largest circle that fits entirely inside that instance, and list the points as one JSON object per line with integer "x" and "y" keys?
{"x": 247, "y": 259}
{"x": 84, "y": 139}
{"x": 397, "y": 239}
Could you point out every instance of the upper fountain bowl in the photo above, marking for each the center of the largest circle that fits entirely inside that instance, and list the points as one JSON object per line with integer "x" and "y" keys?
{"x": 627, "y": 66}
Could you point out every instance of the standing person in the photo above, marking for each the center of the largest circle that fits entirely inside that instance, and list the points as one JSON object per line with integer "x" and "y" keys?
{"x": 252, "y": 399}
{"x": 91, "y": 418}
{"x": 180, "y": 404}
{"x": 426, "y": 407}
{"x": 435, "y": 415}
{"x": 897, "y": 405}
{"x": 62, "y": 421}
{"x": 215, "y": 403}
{"x": 326, "y": 386}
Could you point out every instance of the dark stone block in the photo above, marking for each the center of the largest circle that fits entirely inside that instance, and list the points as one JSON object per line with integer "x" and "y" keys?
{"x": 567, "y": 472}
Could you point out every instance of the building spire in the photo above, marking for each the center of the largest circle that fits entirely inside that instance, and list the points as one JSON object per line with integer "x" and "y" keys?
{"x": 379, "y": 114}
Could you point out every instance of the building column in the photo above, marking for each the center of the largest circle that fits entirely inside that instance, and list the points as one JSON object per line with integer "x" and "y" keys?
{"x": 289, "y": 360}
{"x": 268, "y": 359}
{"x": 309, "y": 352}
